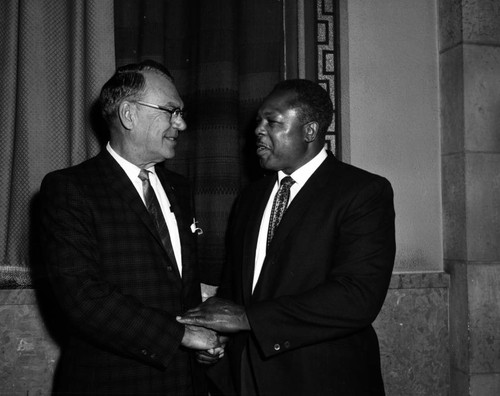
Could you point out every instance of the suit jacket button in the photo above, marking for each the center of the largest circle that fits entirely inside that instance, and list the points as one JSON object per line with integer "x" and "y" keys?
{"x": 286, "y": 344}
{"x": 169, "y": 268}
{"x": 277, "y": 347}
{"x": 144, "y": 352}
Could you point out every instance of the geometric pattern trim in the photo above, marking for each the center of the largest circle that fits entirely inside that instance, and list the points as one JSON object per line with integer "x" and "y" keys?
{"x": 326, "y": 51}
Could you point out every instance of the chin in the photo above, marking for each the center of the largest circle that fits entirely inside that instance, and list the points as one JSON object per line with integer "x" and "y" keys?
{"x": 168, "y": 154}
{"x": 268, "y": 165}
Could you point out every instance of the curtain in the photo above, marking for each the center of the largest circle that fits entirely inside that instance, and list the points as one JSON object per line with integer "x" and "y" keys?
{"x": 56, "y": 55}
{"x": 225, "y": 56}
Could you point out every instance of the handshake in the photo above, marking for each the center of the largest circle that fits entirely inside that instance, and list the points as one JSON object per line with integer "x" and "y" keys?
{"x": 207, "y": 327}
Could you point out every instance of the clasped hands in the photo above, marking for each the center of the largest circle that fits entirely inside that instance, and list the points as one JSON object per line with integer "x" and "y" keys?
{"x": 208, "y": 324}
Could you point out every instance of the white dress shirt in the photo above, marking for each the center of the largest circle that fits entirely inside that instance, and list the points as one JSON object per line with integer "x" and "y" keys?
{"x": 132, "y": 172}
{"x": 300, "y": 176}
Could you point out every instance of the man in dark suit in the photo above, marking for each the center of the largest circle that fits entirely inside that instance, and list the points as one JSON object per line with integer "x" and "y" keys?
{"x": 301, "y": 296}
{"x": 119, "y": 244}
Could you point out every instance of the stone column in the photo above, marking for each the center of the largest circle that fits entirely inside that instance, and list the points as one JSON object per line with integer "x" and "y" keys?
{"x": 469, "y": 51}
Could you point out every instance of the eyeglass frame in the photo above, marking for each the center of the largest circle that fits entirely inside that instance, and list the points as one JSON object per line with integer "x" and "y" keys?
{"x": 175, "y": 112}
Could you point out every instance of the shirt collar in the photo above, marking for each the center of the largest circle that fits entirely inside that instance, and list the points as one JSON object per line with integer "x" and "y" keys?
{"x": 302, "y": 174}
{"x": 130, "y": 169}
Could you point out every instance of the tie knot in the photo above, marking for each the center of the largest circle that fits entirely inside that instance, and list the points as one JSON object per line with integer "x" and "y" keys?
{"x": 287, "y": 182}
{"x": 144, "y": 175}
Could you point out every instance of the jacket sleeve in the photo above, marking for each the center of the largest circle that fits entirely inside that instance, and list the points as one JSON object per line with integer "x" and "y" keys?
{"x": 361, "y": 240}
{"x": 95, "y": 307}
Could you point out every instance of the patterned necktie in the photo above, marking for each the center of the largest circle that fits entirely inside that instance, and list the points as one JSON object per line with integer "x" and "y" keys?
{"x": 154, "y": 210}
{"x": 279, "y": 206}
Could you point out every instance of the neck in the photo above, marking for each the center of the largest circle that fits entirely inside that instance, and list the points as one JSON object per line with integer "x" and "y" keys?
{"x": 131, "y": 154}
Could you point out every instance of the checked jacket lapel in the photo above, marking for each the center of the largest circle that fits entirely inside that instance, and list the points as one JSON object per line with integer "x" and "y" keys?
{"x": 180, "y": 206}
{"x": 118, "y": 180}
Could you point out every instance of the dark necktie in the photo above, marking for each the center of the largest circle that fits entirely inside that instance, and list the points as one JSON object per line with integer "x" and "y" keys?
{"x": 154, "y": 210}
{"x": 279, "y": 206}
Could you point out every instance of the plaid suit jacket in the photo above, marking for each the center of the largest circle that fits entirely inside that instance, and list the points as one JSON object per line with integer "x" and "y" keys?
{"x": 115, "y": 283}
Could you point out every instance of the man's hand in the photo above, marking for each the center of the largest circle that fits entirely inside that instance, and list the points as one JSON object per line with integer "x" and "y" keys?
{"x": 217, "y": 314}
{"x": 200, "y": 338}
{"x": 212, "y": 355}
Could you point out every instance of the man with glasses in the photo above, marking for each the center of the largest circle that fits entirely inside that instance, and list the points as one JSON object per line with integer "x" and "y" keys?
{"x": 119, "y": 245}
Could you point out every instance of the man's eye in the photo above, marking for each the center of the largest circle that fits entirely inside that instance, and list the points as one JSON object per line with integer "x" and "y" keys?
{"x": 266, "y": 121}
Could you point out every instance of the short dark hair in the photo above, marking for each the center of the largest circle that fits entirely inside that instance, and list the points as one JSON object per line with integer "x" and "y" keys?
{"x": 128, "y": 82}
{"x": 312, "y": 101}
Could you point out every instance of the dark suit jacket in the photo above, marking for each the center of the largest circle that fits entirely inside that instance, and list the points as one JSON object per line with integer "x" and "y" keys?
{"x": 323, "y": 282}
{"x": 115, "y": 283}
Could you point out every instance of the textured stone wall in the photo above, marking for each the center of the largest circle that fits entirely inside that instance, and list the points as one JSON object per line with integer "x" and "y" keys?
{"x": 413, "y": 333}
{"x": 469, "y": 50}
{"x": 27, "y": 352}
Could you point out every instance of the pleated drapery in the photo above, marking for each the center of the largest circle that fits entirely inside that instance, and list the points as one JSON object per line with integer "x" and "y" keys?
{"x": 225, "y": 56}
{"x": 56, "y": 55}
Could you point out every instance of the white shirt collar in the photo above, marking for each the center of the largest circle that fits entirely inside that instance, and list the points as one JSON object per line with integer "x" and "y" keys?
{"x": 302, "y": 174}
{"x": 130, "y": 169}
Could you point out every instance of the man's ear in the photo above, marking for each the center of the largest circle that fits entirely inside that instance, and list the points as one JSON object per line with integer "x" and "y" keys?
{"x": 126, "y": 113}
{"x": 310, "y": 131}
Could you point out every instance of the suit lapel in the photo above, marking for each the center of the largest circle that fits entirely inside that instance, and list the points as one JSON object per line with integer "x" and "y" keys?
{"x": 295, "y": 212}
{"x": 300, "y": 204}
{"x": 117, "y": 179}
{"x": 181, "y": 205}
{"x": 172, "y": 195}
{"x": 258, "y": 205}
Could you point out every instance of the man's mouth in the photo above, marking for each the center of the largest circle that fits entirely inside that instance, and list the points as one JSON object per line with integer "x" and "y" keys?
{"x": 171, "y": 138}
{"x": 261, "y": 147}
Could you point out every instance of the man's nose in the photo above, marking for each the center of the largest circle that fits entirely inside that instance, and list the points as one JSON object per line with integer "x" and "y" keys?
{"x": 259, "y": 129}
{"x": 179, "y": 123}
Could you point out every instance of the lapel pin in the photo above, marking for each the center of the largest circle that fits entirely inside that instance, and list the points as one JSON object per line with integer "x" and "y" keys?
{"x": 195, "y": 229}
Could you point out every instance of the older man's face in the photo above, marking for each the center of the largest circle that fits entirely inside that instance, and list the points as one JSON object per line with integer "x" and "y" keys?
{"x": 157, "y": 132}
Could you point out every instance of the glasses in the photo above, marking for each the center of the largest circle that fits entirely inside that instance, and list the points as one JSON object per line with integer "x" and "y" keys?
{"x": 174, "y": 113}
